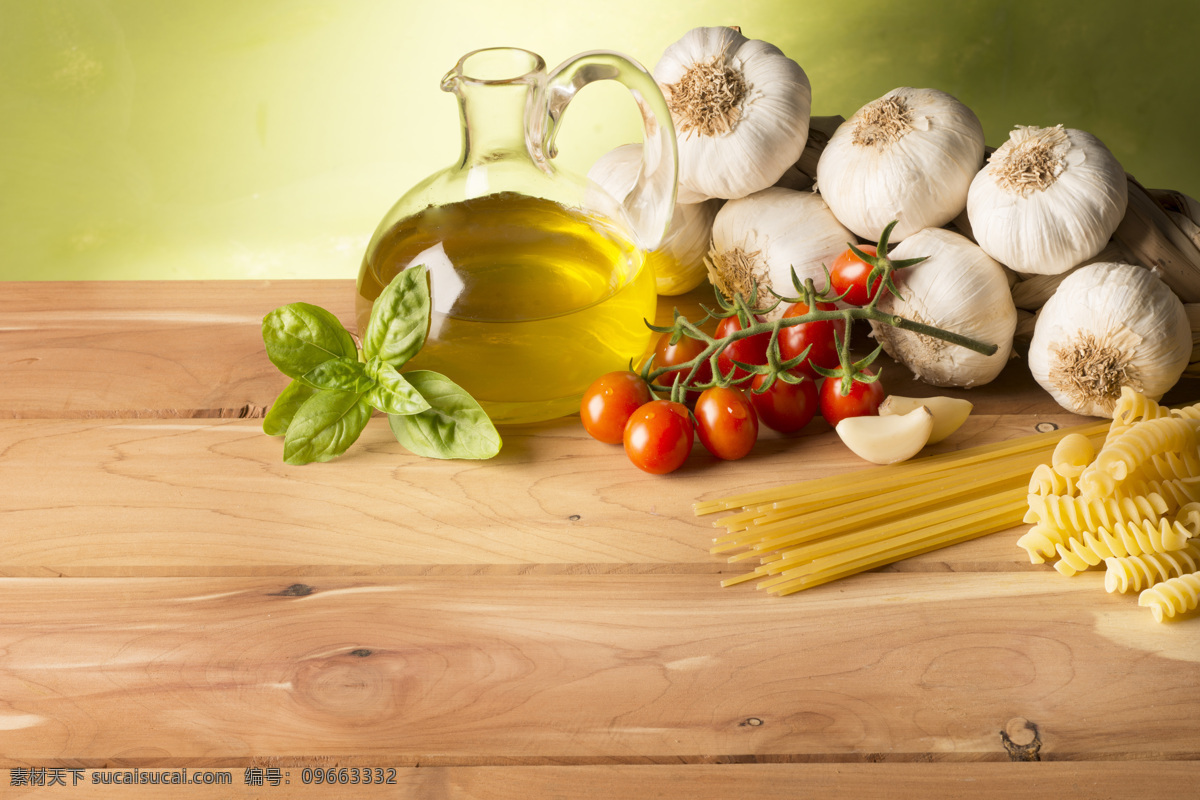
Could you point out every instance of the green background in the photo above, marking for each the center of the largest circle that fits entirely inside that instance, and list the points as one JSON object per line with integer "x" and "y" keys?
{"x": 266, "y": 138}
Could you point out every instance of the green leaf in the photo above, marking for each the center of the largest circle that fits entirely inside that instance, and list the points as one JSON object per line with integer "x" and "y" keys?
{"x": 391, "y": 392}
{"x": 284, "y": 409}
{"x": 454, "y": 426}
{"x": 399, "y": 318}
{"x": 299, "y": 337}
{"x": 325, "y": 426}
{"x": 340, "y": 374}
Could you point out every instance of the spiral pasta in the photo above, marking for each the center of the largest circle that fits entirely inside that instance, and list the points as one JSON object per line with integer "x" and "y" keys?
{"x": 1124, "y": 539}
{"x": 1173, "y": 596}
{"x": 1176, "y": 491}
{"x": 1045, "y": 480}
{"x": 1134, "y": 448}
{"x": 1168, "y": 466}
{"x": 1075, "y": 515}
{"x": 1133, "y": 407}
{"x": 1135, "y": 573}
{"x": 1072, "y": 453}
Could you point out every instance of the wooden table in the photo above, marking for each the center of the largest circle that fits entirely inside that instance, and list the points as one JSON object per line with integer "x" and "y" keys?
{"x": 546, "y": 624}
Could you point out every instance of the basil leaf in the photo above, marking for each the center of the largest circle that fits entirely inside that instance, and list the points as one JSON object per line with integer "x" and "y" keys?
{"x": 391, "y": 393}
{"x": 325, "y": 426}
{"x": 283, "y": 410}
{"x": 454, "y": 426}
{"x": 341, "y": 374}
{"x": 300, "y": 337}
{"x": 399, "y": 318}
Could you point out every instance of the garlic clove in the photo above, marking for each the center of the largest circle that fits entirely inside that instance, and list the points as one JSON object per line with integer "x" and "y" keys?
{"x": 949, "y": 413}
{"x": 887, "y": 439}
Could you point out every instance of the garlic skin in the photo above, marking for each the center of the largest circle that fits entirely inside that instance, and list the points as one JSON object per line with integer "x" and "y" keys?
{"x": 678, "y": 261}
{"x": 908, "y": 156}
{"x": 1048, "y": 200}
{"x": 958, "y": 288}
{"x": 741, "y": 111}
{"x": 1109, "y": 325}
{"x": 760, "y": 239}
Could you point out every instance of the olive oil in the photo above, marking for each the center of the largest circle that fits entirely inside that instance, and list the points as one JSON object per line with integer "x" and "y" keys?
{"x": 531, "y": 300}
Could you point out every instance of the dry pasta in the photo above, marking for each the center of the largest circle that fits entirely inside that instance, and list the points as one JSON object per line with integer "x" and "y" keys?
{"x": 1072, "y": 453}
{"x": 810, "y": 533}
{"x": 1125, "y": 539}
{"x": 1135, "y": 505}
{"x": 1173, "y": 596}
{"x": 1134, "y": 448}
{"x": 1045, "y": 481}
{"x": 1135, "y": 573}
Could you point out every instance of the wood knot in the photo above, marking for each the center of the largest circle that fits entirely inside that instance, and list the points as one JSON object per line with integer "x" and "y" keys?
{"x": 295, "y": 590}
{"x": 752, "y": 722}
{"x": 361, "y": 652}
{"x": 1046, "y": 427}
{"x": 1021, "y": 740}
{"x": 574, "y": 518}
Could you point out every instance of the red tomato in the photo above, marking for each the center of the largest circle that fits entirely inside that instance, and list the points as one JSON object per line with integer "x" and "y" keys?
{"x": 608, "y": 403}
{"x": 726, "y": 422}
{"x": 785, "y": 407}
{"x": 820, "y": 335}
{"x": 849, "y": 274}
{"x": 863, "y": 401}
{"x": 751, "y": 350}
{"x": 658, "y": 437}
{"x": 683, "y": 351}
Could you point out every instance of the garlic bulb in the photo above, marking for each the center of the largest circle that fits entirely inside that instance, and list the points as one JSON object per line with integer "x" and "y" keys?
{"x": 1048, "y": 200}
{"x": 908, "y": 156}
{"x": 760, "y": 239}
{"x": 678, "y": 261}
{"x": 740, "y": 108}
{"x": 958, "y": 288}
{"x": 1109, "y": 325}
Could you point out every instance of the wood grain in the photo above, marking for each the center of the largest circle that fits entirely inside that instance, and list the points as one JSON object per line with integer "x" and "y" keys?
{"x": 210, "y": 497}
{"x": 1127, "y": 780}
{"x": 587, "y": 669}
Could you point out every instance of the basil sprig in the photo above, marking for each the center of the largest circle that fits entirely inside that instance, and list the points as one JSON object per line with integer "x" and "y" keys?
{"x": 335, "y": 387}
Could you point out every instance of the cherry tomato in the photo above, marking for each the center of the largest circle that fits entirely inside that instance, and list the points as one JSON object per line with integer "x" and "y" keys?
{"x": 658, "y": 436}
{"x": 863, "y": 400}
{"x": 820, "y": 335}
{"x": 849, "y": 274}
{"x": 609, "y": 402}
{"x": 751, "y": 350}
{"x": 785, "y": 407}
{"x": 683, "y": 351}
{"x": 726, "y": 422}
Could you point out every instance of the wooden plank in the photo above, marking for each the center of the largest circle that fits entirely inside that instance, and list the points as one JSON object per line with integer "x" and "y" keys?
{"x": 1131, "y": 780}
{"x": 146, "y": 348}
{"x": 194, "y": 349}
{"x": 586, "y": 669}
{"x": 212, "y": 497}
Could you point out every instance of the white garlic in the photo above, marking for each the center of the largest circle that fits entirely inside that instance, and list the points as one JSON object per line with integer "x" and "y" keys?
{"x": 740, "y": 108}
{"x": 678, "y": 261}
{"x": 1048, "y": 200}
{"x": 908, "y": 156}
{"x": 1109, "y": 325}
{"x": 958, "y": 288}
{"x": 760, "y": 239}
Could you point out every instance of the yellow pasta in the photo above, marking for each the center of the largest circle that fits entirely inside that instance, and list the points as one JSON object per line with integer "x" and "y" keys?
{"x": 1173, "y": 596}
{"x": 1176, "y": 491}
{"x": 813, "y": 532}
{"x": 1135, "y": 573}
{"x": 1168, "y": 466}
{"x": 1134, "y": 448}
{"x": 1132, "y": 407}
{"x": 1072, "y": 453}
{"x": 1045, "y": 480}
{"x": 1074, "y": 515}
{"x": 1124, "y": 539}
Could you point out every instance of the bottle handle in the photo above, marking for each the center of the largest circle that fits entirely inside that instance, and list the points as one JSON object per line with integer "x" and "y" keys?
{"x": 650, "y": 204}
